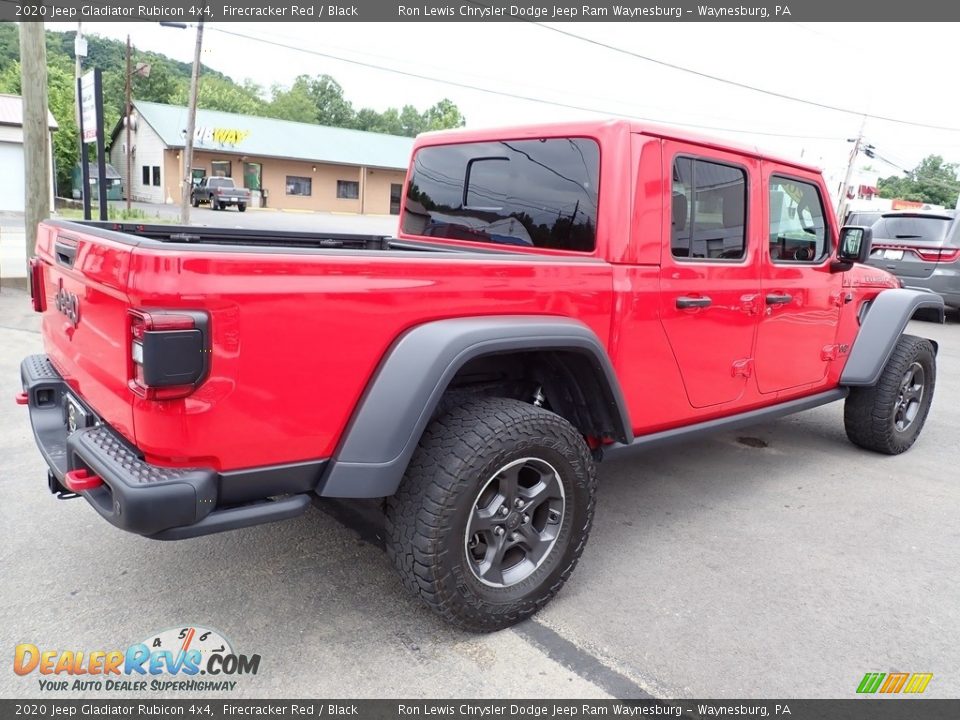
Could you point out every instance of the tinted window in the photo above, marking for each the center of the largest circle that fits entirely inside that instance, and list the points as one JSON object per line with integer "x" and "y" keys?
{"x": 708, "y": 208}
{"x": 532, "y": 193}
{"x": 866, "y": 219}
{"x": 912, "y": 227}
{"x": 798, "y": 228}
{"x": 220, "y": 183}
{"x": 299, "y": 185}
{"x": 348, "y": 189}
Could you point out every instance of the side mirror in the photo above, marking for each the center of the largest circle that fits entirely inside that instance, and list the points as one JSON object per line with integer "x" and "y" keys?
{"x": 855, "y": 242}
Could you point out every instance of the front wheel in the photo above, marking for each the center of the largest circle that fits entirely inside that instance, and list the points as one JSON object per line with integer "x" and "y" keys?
{"x": 493, "y": 512}
{"x": 889, "y": 416}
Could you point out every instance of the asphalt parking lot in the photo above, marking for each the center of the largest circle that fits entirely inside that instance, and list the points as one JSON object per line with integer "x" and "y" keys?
{"x": 776, "y": 561}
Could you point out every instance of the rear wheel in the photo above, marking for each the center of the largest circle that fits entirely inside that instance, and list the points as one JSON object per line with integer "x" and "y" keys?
{"x": 889, "y": 416}
{"x": 215, "y": 204}
{"x": 242, "y": 207}
{"x": 493, "y": 512}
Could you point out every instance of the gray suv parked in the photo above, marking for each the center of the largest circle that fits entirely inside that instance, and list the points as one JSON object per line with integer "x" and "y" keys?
{"x": 922, "y": 249}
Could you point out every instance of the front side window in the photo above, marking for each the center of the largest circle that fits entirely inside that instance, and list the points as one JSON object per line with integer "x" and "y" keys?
{"x": 798, "y": 228}
{"x": 348, "y": 189}
{"x": 529, "y": 193}
{"x": 299, "y": 185}
{"x": 708, "y": 210}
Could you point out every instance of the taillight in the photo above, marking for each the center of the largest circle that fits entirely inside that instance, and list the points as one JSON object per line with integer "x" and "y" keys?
{"x": 37, "y": 294}
{"x": 169, "y": 352}
{"x": 947, "y": 254}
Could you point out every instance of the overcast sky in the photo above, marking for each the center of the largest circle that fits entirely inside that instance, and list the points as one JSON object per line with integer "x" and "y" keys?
{"x": 903, "y": 70}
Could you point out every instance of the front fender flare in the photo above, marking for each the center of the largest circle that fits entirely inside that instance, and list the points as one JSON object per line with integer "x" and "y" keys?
{"x": 880, "y": 329}
{"x": 404, "y": 392}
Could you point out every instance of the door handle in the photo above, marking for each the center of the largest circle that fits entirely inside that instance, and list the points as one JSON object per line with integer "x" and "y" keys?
{"x": 684, "y": 303}
{"x": 778, "y": 299}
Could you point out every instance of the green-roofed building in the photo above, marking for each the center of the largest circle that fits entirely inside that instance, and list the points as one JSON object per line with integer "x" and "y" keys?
{"x": 286, "y": 165}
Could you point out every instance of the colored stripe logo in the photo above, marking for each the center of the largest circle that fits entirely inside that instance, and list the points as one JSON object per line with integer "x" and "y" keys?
{"x": 894, "y": 683}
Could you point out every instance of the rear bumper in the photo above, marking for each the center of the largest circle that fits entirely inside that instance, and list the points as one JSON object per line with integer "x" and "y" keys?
{"x": 159, "y": 502}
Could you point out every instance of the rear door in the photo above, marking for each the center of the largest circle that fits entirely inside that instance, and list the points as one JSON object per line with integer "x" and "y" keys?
{"x": 85, "y": 325}
{"x": 709, "y": 275}
{"x": 801, "y": 296}
{"x": 909, "y": 245}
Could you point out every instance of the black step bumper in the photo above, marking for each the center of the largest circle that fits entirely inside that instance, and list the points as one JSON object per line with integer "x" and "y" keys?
{"x": 159, "y": 502}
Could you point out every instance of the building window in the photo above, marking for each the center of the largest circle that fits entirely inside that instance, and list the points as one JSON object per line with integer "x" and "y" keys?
{"x": 396, "y": 190}
{"x": 299, "y": 185}
{"x": 252, "y": 175}
{"x": 146, "y": 175}
{"x": 221, "y": 168}
{"x": 348, "y": 189}
{"x": 156, "y": 175}
{"x": 708, "y": 209}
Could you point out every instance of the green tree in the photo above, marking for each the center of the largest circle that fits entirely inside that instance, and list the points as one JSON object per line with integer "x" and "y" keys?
{"x": 294, "y": 103}
{"x": 225, "y": 95}
{"x": 932, "y": 181}
{"x": 327, "y": 95}
{"x": 443, "y": 116}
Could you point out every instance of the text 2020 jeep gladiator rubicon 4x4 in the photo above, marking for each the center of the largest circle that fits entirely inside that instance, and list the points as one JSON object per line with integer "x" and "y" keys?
{"x": 554, "y": 293}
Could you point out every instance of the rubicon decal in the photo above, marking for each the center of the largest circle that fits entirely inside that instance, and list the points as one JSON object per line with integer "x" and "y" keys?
{"x": 169, "y": 660}
{"x": 894, "y": 683}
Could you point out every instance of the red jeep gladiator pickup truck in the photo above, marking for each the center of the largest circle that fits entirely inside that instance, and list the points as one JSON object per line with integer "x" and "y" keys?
{"x": 554, "y": 293}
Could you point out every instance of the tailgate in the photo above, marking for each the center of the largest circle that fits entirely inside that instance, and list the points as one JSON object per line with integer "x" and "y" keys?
{"x": 85, "y": 325}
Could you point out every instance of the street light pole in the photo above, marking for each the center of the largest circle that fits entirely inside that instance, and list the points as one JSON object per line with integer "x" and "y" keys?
{"x": 126, "y": 122}
{"x": 191, "y": 127}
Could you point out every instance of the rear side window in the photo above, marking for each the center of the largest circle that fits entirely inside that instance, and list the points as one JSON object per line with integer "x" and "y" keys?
{"x": 913, "y": 228}
{"x": 708, "y": 208}
{"x": 529, "y": 193}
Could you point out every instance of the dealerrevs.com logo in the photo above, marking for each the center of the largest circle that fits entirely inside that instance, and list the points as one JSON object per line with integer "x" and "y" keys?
{"x": 176, "y": 660}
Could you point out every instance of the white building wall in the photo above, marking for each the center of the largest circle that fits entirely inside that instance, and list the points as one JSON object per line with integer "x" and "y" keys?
{"x": 147, "y": 150}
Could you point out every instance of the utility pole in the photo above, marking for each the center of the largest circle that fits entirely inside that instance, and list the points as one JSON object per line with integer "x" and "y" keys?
{"x": 126, "y": 122}
{"x": 36, "y": 128}
{"x": 851, "y": 164}
{"x": 191, "y": 127}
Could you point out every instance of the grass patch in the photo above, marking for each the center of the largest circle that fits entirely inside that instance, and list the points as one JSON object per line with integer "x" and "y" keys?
{"x": 115, "y": 213}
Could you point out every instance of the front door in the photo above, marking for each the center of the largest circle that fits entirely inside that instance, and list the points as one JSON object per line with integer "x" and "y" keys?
{"x": 709, "y": 274}
{"x": 801, "y": 296}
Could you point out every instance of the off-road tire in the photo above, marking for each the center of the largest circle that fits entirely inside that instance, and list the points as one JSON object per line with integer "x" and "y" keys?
{"x": 869, "y": 414}
{"x": 426, "y": 520}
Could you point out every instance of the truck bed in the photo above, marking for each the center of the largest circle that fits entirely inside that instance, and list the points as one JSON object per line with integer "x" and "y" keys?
{"x": 255, "y": 238}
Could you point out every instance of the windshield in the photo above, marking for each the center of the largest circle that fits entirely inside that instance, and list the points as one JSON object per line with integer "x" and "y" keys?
{"x": 916, "y": 228}
{"x": 531, "y": 193}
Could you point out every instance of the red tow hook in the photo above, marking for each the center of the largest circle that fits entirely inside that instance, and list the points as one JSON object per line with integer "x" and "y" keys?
{"x": 22, "y": 399}
{"x": 80, "y": 480}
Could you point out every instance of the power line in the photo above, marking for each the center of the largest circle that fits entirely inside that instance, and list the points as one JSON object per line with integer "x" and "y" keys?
{"x": 515, "y": 96}
{"x": 745, "y": 86}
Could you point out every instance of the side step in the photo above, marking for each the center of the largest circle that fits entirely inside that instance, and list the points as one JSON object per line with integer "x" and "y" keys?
{"x": 240, "y": 517}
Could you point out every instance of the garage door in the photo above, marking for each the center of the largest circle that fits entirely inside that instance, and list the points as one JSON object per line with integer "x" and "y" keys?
{"x": 11, "y": 176}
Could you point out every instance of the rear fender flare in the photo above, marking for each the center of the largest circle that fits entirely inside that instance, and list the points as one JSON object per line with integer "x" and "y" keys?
{"x": 403, "y": 394}
{"x": 880, "y": 328}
